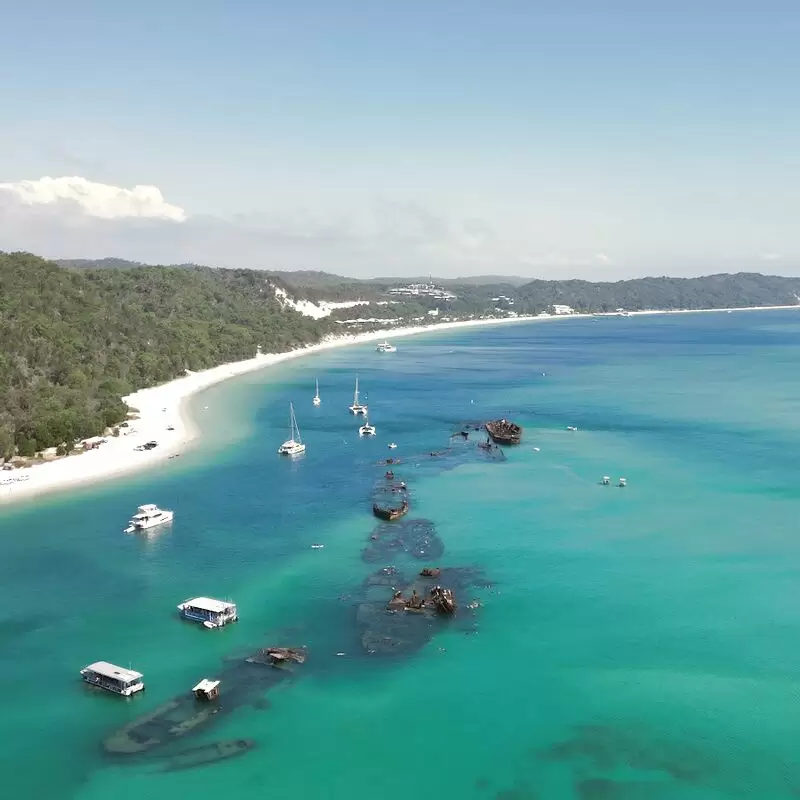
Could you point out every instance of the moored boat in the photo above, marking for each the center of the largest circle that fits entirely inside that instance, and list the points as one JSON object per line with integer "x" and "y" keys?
{"x": 113, "y": 678}
{"x": 293, "y": 446}
{"x": 148, "y": 516}
{"x": 385, "y": 347}
{"x": 208, "y": 611}
{"x": 504, "y": 431}
{"x": 357, "y": 408}
{"x": 366, "y": 429}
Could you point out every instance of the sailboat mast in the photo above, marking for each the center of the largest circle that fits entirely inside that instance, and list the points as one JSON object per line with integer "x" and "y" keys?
{"x": 296, "y": 429}
{"x": 355, "y": 394}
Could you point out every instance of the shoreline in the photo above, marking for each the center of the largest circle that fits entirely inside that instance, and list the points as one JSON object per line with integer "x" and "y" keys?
{"x": 167, "y": 406}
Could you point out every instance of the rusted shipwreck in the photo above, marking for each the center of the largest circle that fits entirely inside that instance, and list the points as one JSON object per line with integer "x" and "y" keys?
{"x": 243, "y": 681}
{"x": 390, "y": 513}
{"x": 503, "y": 431}
{"x": 439, "y": 599}
{"x": 414, "y": 611}
{"x": 443, "y": 600}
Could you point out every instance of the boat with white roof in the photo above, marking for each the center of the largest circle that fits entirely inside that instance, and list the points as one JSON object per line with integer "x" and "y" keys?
{"x": 385, "y": 347}
{"x": 113, "y": 678}
{"x": 208, "y": 611}
{"x": 148, "y": 516}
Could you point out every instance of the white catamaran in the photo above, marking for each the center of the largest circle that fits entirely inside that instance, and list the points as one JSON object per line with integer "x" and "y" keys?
{"x": 357, "y": 408}
{"x": 316, "y": 401}
{"x": 366, "y": 429}
{"x": 293, "y": 446}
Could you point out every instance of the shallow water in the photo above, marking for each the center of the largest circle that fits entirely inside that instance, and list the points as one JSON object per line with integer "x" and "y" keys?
{"x": 637, "y": 642}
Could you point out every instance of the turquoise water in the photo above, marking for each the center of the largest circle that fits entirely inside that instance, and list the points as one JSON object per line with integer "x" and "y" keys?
{"x": 631, "y": 643}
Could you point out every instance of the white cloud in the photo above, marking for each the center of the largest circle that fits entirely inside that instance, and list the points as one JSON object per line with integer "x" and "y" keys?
{"x": 95, "y": 199}
{"x": 72, "y": 217}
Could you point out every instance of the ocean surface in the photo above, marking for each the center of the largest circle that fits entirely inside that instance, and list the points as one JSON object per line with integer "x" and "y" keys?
{"x": 637, "y": 642}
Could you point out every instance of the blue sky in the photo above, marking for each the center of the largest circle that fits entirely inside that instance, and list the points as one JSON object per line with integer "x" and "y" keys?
{"x": 588, "y": 139}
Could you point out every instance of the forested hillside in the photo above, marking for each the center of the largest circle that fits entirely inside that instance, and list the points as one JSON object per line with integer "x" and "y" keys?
{"x": 74, "y": 339}
{"x": 711, "y": 291}
{"x": 73, "y": 342}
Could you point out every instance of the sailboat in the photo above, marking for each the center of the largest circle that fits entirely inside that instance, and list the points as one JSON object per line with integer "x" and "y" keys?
{"x": 293, "y": 446}
{"x": 357, "y": 408}
{"x": 366, "y": 429}
{"x": 316, "y": 401}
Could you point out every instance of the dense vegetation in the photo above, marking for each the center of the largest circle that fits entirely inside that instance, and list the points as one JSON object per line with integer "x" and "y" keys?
{"x": 76, "y": 338}
{"x": 711, "y": 291}
{"x": 72, "y": 343}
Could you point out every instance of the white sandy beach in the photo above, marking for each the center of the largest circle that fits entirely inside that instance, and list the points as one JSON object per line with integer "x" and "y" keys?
{"x": 165, "y": 406}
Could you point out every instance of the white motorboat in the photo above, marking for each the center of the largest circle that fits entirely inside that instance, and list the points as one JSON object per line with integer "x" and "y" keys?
{"x": 392, "y": 445}
{"x": 357, "y": 408}
{"x": 316, "y": 401}
{"x": 148, "y": 516}
{"x": 366, "y": 429}
{"x": 571, "y": 428}
{"x": 386, "y": 348}
{"x": 293, "y": 446}
{"x": 622, "y": 483}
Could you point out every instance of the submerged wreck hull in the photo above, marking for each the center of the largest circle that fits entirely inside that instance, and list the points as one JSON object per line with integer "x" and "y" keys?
{"x": 208, "y": 754}
{"x": 389, "y": 514}
{"x": 242, "y": 682}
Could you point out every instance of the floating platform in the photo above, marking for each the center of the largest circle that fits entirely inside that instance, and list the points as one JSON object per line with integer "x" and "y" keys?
{"x": 112, "y": 678}
{"x": 209, "y": 612}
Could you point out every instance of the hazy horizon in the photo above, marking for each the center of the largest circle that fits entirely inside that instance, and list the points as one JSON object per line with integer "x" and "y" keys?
{"x": 453, "y": 139}
{"x": 487, "y": 277}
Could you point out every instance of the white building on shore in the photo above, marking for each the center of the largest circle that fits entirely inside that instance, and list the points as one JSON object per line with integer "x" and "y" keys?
{"x": 422, "y": 290}
{"x": 558, "y": 309}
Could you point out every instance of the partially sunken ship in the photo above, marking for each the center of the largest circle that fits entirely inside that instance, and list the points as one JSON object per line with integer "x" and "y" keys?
{"x": 503, "y": 431}
{"x": 241, "y": 682}
{"x": 390, "y": 501}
